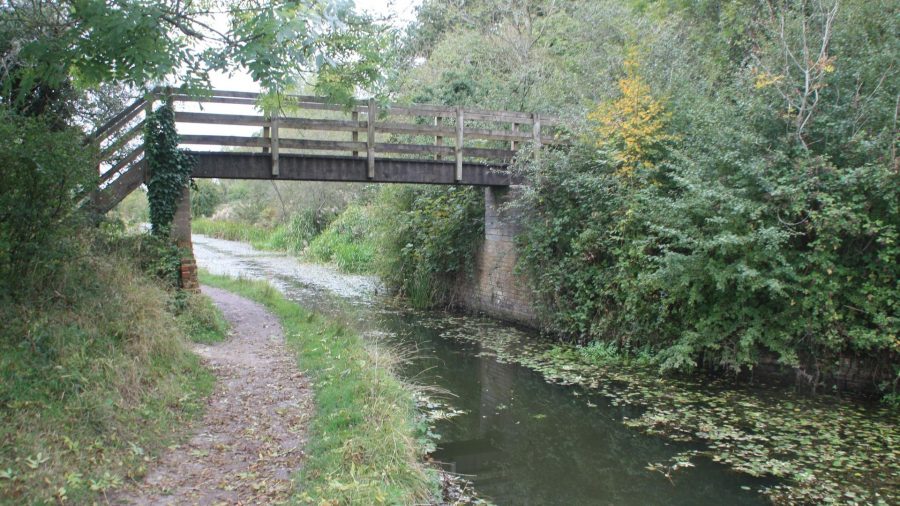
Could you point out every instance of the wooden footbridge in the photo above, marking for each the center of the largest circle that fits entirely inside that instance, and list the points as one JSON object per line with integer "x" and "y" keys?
{"x": 313, "y": 140}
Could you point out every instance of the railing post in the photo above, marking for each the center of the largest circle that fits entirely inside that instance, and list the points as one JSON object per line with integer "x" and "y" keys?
{"x": 148, "y": 110}
{"x": 438, "y": 139}
{"x": 536, "y": 138}
{"x": 355, "y": 136}
{"x": 460, "y": 133}
{"x": 266, "y": 135}
{"x": 370, "y": 141}
{"x": 274, "y": 143}
{"x": 515, "y": 129}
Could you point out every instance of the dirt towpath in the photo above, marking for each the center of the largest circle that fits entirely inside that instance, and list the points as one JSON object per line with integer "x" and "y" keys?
{"x": 250, "y": 442}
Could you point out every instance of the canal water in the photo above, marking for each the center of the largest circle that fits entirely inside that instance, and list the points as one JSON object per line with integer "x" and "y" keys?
{"x": 519, "y": 439}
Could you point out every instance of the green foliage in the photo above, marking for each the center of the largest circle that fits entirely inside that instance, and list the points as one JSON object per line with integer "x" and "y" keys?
{"x": 366, "y": 443}
{"x": 347, "y": 242}
{"x": 133, "y": 210}
{"x": 45, "y": 173}
{"x": 200, "y": 319}
{"x": 426, "y": 238}
{"x": 296, "y": 234}
{"x": 231, "y": 231}
{"x": 724, "y": 254}
{"x": 170, "y": 168}
{"x": 50, "y": 47}
{"x": 206, "y": 196}
{"x": 95, "y": 379}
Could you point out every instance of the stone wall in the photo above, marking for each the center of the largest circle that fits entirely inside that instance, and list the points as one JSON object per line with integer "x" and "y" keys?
{"x": 495, "y": 288}
{"x": 181, "y": 234}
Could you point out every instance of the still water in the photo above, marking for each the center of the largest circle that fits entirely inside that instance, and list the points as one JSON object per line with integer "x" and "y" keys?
{"x": 520, "y": 440}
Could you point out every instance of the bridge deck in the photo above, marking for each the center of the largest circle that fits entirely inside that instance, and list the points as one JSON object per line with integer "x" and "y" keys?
{"x": 309, "y": 139}
{"x": 303, "y": 167}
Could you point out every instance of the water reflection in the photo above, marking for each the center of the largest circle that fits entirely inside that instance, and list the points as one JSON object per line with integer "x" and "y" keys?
{"x": 521, "y": 440}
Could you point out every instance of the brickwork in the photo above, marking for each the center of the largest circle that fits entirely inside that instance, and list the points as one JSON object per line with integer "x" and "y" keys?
{"x": 496, "y": 289}
{"x": 181, "y": 234}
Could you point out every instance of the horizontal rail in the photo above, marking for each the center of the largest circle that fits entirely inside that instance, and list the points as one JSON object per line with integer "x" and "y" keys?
{"x": 340, "y": 146}
{"x": 121, "y": 164}
{"x": 423, "y": 132}
{"x": 116, "y": 122}
{"x": 328, "y": 125}
{"x": 122, "y": 140}
{"x": 312, "y": 102}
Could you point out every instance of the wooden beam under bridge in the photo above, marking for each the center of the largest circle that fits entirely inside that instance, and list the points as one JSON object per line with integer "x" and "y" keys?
{"x": 308, "y": 167}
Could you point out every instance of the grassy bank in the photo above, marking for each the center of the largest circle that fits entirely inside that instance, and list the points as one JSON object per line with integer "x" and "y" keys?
{"x": 259, "y": 237}
{"x": 367, "y": 440}
{"x": 95, "y": 379}
{"x": 345, "y": 243}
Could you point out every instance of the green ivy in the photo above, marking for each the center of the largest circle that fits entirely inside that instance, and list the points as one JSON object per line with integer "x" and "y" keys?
{"x": 170, "y": 168}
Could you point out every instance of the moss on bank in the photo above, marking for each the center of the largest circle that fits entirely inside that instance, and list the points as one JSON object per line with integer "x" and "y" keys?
{"x": 367, "y": 439}
{"x": 95, "y": 379}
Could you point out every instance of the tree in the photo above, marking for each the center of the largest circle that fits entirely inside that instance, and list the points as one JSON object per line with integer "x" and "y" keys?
{"x": 52, "y": 48}
{"x": 633, "y": 125}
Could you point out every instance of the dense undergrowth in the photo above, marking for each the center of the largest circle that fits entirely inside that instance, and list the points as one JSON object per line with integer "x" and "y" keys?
{"x": 96, "y": 377}
{"x": 723, "y": 201}
{"x": 367, "y": 439}
{"x": 427, "y": 238}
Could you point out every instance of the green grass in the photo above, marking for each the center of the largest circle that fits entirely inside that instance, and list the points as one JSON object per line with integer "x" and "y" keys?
{"x": 345, "y": 243}
{"x": 367, "y": 439}
{"x": 232, "y": 231}
{"x": 96, "y": 379}
{"x": 201, "y": 320}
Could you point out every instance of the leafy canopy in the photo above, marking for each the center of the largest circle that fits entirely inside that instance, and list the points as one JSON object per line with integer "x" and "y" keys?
{"x": 52, "y": 44}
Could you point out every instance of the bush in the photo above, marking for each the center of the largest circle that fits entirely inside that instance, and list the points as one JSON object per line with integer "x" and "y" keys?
{"x": 95, "y": 379}
{"x": 346, "y": 242}
{"x": 45, "y": 173}
{"x": 427, "y": 238}
{"x": 722, "y": 253}
{"x": 206, "y": 196}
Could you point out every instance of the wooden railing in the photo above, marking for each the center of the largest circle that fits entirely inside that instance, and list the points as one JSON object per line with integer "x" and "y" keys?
{"x": 360, "y": 129}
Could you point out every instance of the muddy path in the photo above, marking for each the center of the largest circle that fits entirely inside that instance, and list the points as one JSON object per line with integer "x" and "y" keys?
{"x": 250, "y": 443}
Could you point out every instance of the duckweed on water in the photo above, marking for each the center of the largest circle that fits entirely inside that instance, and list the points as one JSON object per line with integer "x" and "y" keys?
{"x": 823, "y": 450}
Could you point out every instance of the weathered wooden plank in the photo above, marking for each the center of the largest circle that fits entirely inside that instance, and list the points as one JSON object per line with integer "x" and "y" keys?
{"x": 306, "y": 167}
{"x": 438, "y": 139}
{"x": 471, "y": 133}
{"x": 122, "y": 140}
{"x": 319, "y": 145}
{"x": 102, "y": 200}
{"x": 234, "y": 94}
{"x": 355, "y": 135}
{"x": 220, "y": 119}
{"x": 536, "y": 134}
{"x": 325, "y": 125}
{"x": 477, "y": 114}
{"x": 274, "y": 142}
{"x": 371, "y": 118}
{"x": 116, "y": 122}
{"x": 225, "y": 140}
{"x": 460, "y": 141}
{"x": 121, "y": 164}
{"x": 214, "y": 100}
{"x": 344, "y": 146}
{"x": 490, "y": 153}
{"x": 415, "y": 149}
